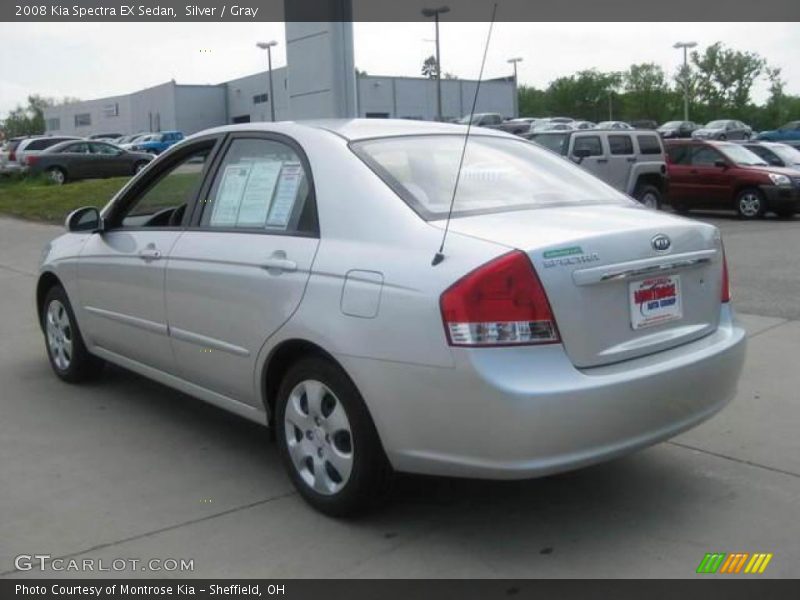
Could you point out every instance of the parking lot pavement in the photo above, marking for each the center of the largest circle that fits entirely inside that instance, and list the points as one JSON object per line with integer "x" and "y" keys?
{"x": 126, "y": 468}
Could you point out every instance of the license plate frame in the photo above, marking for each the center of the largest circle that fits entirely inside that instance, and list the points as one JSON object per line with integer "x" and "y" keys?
{"x": 655, "y": 301}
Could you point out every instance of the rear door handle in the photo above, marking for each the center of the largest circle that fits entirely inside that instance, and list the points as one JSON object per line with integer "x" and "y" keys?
{"x": 602, "y": 160}
{"x": 279, "y": 262}
{"x": 631, "y": 159}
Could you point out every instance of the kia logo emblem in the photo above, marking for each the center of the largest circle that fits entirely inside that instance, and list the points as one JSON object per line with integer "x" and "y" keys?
{"x": 660, "y": 243}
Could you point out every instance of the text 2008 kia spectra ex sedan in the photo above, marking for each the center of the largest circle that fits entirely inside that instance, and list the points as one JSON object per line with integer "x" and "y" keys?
{"x": 284, "y": 272}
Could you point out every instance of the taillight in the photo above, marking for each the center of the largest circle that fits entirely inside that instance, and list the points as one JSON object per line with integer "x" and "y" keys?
{"x": 501, "y": 303}
{"x": 12, "y": 155}
{"x": 31, "y": 160}
{"x": 726, "y": 286}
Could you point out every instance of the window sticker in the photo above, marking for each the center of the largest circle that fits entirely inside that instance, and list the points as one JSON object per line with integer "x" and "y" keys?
{"x": 229, "y": 196}
{"x": 285, "y": 196}
{"x": 258, "y": 193}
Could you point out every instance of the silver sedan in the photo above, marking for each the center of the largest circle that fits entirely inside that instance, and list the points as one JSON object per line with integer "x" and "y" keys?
{"x": 290, "y": 273}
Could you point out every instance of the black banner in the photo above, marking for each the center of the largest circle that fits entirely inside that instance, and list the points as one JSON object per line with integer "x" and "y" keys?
{"x": 203, "y": 589}
{"x": 394, "y": 10}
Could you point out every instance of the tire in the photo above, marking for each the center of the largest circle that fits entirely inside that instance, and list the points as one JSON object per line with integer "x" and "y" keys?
{"x": 750, "y": 204}
{"x": 139, "y": 166}
{"x": 722, "y": 137}
{"x": 57, "y": 175}
{"x": 321, "y": 419}
{"x": 69, "y": 358}
{"x": 649, "y": 196}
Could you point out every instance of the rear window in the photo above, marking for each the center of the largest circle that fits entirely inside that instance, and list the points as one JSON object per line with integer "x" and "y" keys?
{"x": 620, "y": 144}
{"x": 498, "y": 175}
{"x": 648, "y": 144}
{"x": 43, "y": 143}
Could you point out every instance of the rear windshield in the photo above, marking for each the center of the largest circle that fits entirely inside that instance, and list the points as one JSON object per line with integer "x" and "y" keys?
{"x": 498, "y": 175}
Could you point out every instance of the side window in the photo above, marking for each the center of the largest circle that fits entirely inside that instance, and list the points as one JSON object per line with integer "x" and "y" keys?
{"x": 261, "y": 184}
{"x": 163, "y": 202}
{"x": 679, "y": 155}
{"x": 705, "y": 157}
{"x": 81, "y": 148}
{"x": 590, "y": 143}
{"x": 648, "y": 144}
{"x": 103, "y": 149}
{"x": 620, "y": 144}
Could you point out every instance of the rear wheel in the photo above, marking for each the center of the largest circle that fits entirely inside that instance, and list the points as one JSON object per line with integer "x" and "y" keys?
{"x": 649, "y": 196}
{"x": 327, "y": 440}
{"x": 57, "y": 175}
{"x": 139, "y": 166}
{"x": 750, "y": 204}
{"x": 65, "y": 348}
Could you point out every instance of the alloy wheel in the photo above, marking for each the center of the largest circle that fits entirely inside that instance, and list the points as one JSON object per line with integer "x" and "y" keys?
{"x": 59, "y": 335}
{"x": 318, "y": 437}
{"x": 650, "y": 200}
{"x": 57, "y": 176}
{"x": 750, "y": 205}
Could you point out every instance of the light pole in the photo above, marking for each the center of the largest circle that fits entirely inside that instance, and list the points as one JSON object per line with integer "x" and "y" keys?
{"x": 435, "y": 12}
{"x": 514, "y": 62}
{"x": 685, "y": 46}
{"x": 268, "y": 47}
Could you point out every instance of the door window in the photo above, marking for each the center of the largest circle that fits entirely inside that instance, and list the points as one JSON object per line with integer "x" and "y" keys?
{"x": 620, "y": 144}
{"x": 105, "y": 149}
{"x": 261, "y": 184}
{"x": 163, "y": 202}
{"x": 81, "y": 148}
{"x": 705, "y": 157}
{"x": 590, "y": 143}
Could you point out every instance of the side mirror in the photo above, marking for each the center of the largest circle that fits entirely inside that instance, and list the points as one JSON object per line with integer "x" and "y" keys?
{"x": 720, "y": 163}
{"x": 84, "y": 219}
{"x": 580, "y": 154}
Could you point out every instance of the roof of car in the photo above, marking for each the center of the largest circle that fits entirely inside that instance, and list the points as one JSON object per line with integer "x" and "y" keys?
{"x": 362, "y": 129}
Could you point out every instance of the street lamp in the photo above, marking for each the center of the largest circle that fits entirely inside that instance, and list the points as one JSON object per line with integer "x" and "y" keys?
{"x": 514, "y": 62}
{"x": 685, "y": 46}
{"x": 435, "y": 12}
{"x": 268, "y": 47}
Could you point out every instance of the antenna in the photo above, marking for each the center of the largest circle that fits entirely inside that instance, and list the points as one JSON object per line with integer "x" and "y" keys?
{"x": 439, "y": 256}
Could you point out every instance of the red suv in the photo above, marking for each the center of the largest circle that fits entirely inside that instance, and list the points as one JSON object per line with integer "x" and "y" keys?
{"x": 725, "y": 175}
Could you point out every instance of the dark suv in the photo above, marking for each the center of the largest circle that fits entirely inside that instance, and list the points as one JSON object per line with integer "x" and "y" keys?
{"x": 728, "y": 175}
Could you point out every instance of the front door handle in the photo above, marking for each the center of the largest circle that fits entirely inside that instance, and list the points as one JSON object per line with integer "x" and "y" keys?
{"x": 279, "y": 262}
{"x": 150, "y": 252}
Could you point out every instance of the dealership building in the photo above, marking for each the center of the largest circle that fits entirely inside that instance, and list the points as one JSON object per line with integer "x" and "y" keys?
{"x": 300, "y": 89}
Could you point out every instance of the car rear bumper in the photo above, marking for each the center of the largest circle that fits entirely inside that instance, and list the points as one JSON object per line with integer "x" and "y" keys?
{"x": 782, "y": 197}
{"x": 511, "y": 413}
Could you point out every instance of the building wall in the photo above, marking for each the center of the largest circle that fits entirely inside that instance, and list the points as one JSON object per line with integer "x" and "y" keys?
{"x": 199, "y": 107}
{"x": 192, "y": 108}
{"x": 107, "y": 115}
{"x": 241, "y": 93}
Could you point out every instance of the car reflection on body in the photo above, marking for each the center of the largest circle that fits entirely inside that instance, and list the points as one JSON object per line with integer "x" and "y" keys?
{"x": 284, "y": 272}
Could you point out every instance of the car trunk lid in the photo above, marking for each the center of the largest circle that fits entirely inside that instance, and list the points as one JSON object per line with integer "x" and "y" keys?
{"x": 623, "y": 282}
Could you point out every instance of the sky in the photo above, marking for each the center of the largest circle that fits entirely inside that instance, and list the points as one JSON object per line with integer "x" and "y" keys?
{"x": 93, "y": 60}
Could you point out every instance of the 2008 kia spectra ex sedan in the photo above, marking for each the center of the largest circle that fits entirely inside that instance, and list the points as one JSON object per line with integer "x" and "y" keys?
{"x": 284, "y": 272}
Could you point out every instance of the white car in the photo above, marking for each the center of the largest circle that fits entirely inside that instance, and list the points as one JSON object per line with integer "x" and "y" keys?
{"x": 34, "y": 146}
{"x": 298, "y": 275}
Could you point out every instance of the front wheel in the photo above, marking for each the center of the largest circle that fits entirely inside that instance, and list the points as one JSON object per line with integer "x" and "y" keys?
{"x": 649, "y": 196}
{"x": 327, "y": 440}
{"x": 66, "y": 351}
{"x": 750, "y": 204}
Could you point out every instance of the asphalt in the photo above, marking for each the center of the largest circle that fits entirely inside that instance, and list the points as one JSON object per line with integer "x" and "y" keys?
{"x": 125, "y": 468}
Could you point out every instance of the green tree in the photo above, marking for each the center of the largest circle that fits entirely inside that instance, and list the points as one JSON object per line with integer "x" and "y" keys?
{"x": 647, "y": 93}
{"x": 430, "y": 68}
{"x": 585, "y": 95}
{"x": 724, "y": 78}
{"x": 27, "y": 120}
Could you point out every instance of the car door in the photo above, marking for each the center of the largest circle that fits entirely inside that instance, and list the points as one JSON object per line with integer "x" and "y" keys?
{"x": 75, "y": 158}
{"x": 121, "y": 271}
{"x": 679, "y": 167}
{"x": 239, "y": 272}
{"x": 104, "y": 160}
{"x": 595, "y": 160}
{"x": 621, "y": 157}
{"x": 711, "y": 183}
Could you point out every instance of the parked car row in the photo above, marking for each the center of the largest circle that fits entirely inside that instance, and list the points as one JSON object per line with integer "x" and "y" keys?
{"x": 65, "y": 158}
{"x": 749, "y": 176}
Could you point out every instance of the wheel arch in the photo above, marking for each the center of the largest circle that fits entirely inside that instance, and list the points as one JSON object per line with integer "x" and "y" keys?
{"x": 47, "y": 281}
{"x": 277, "y": 364}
